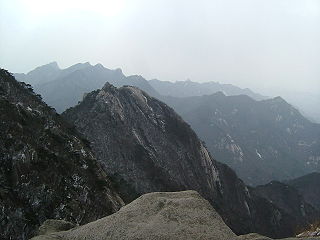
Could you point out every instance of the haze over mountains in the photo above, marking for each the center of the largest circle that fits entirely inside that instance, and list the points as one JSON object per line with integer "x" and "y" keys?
{"x": 141, "y": 143}
{"x": 260, "y": 140}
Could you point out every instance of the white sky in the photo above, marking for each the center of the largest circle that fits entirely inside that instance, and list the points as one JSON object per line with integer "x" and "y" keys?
{"x": 260, "y": 44}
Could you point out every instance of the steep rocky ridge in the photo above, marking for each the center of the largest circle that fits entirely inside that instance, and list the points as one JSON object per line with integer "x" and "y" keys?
{"x": 145, "y": 146}
{"x": 47, "y": 169}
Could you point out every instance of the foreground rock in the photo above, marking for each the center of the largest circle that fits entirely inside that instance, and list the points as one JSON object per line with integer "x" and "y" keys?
{"x": 51, "y": 226}
{"x": 154, "y": 216}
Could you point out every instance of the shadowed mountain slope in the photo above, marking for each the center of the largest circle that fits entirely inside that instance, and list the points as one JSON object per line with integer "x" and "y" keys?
{"x": 47, "y": 169}
{"x": 262, "y": 140}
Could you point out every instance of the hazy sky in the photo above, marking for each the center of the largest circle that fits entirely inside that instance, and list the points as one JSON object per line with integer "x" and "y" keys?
{"x": 250, "y": 43}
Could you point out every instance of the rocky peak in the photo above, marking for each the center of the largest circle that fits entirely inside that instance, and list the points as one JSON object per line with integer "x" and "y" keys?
{"x": 145, "y": 146}
{"x": 47, "y": 169}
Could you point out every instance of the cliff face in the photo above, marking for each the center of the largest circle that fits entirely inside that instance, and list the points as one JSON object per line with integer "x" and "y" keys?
{"x": 145, "y": 146}
{"x": 47, "y": 170}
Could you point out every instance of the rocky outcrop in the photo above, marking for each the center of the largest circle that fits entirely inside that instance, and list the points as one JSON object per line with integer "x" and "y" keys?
{"x": 145, "y": 147}
{"x": 47, "y": 169}
{"x": 156, "y": 216}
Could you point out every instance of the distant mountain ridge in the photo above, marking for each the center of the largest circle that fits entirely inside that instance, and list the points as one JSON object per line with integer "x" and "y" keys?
{"x": 64, "y": 88}
{"x": 189, "y": 89}
{"x": 239, "y": 145}
{"x": 143, "y": 145}
{"x": 262, "y": 140}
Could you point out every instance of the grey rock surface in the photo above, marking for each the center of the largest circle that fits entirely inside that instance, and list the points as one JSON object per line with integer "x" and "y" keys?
{"x": 156, "y": 216}
{"x": 53, "y": 225}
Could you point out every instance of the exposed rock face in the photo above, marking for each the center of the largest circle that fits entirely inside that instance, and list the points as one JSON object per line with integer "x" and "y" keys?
{"x": 308, "y": 187}
{"x": 46, "y": 169}
{"x": 262, "y": 140}
{"x": 290, "y": 201}
{"x": 145, "y": 146}
{"x": 156, "y": 216}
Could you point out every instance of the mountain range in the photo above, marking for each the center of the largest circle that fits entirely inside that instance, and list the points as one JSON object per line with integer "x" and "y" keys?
{"x": 261, "y": 139}
{"x": 124, "y": 143}
{"x": 155, "y": 150}
{"x": 64, "y": 88}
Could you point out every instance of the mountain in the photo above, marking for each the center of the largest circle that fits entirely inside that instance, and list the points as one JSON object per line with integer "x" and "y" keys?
{"x": 64, "y": 88}
{"x": 42, "y": 74}
{"x": 190, "y": 89}
{"x": 308, "y": 187}
{"x": 47, "y": 169}
{"x": 290, "y": 201}
{"x": 261, "y": 140}
{"x": 145, "y": 146}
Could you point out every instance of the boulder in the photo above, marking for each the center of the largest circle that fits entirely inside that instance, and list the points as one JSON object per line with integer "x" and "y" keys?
{"x": 154, "y": 216}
